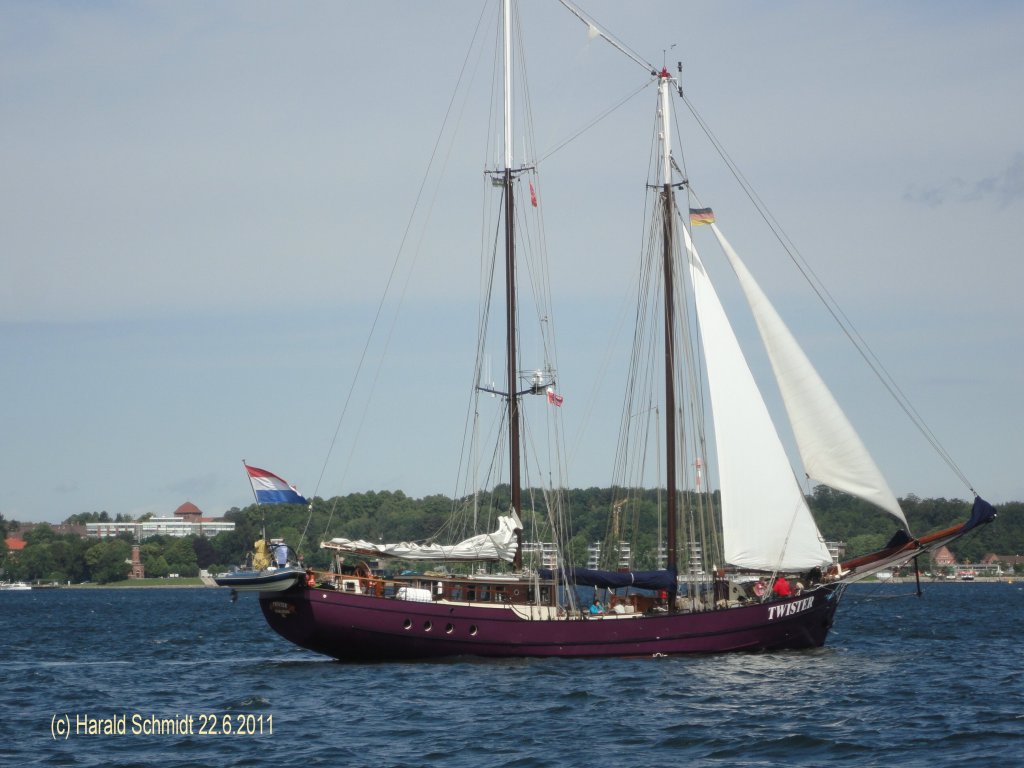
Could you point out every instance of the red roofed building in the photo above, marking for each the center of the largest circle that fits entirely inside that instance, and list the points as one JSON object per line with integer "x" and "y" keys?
{"x": 190, "y": 512}
{"x": 1016, "y": 561}
{"x": 14, "y": 544}
{"x": 943, "y": 557}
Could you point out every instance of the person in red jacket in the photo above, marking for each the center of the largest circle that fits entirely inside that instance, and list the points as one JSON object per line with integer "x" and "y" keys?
{"x": 781, "y": 587}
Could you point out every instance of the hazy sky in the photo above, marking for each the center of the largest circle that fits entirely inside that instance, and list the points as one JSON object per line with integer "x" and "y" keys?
{"x": 200, "y": 204}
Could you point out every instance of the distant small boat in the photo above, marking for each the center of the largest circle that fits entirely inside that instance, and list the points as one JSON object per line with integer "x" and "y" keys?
{"x": 884, "y": 575}
{"x": 14, "y": 586}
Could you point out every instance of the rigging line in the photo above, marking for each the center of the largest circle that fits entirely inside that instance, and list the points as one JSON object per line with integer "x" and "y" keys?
{"x": 634, "y": 382}
{"x": 619, "y": 326}
{"x": 594, "y": 29}
{"x": 600, "y": 376}
{"x": 597, "y": 119}
{"x": 391, "y": 275}
{"x": 832, "y": 306}
{"x": 842, "y": 320}
{"x": 491, "y": 476}
{"x": 523, "y": 86}
{"x": 487, "y": 271}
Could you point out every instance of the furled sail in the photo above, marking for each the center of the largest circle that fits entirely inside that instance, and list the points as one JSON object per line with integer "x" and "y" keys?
{"x": 765, "y": 519}
{"x": 830, "y": 448}
{"x": 588, "y": 577}
{"x": 500, "y": 545}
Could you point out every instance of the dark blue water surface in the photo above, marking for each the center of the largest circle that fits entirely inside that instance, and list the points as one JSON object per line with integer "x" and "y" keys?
{"x": 935, "y": 681}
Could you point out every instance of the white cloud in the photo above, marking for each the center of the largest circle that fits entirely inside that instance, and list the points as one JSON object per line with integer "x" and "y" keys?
{"x": 1005, "y": 187}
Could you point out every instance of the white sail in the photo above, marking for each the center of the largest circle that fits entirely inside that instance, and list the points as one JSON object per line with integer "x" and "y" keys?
{"x": 500, "y": 545}
{"x": 830, "y": 448}
{"x": 766, "y": 523}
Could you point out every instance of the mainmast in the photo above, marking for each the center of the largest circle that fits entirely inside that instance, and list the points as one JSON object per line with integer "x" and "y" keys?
{"x": 670, "y": 388}
{"x": 515, "y": 481}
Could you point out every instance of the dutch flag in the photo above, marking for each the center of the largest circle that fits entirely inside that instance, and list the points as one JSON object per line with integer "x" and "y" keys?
{"x": 271, "y": 489}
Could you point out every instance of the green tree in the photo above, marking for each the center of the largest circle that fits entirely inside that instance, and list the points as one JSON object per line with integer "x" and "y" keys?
{"x": 205, "y": 553}
{"x": 88, "y": 517}
{"x": 181, "y": 557}
{"x": 109, "y": 560}
{"x": 865, "y": 544}
{"x": 41, "y": 534}
{"x": 156, "y": 566}
{"x": 70, "y": 558}
{"x": 35, "y": 562}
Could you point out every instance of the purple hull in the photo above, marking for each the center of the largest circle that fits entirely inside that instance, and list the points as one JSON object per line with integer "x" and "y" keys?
{"x": 362, "y": 627}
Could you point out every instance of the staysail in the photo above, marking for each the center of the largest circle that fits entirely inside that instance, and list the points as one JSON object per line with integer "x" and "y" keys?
{"x": 830, "y": 448}
{"x": 500, "y": 545}
{"x": 766, "y": 522}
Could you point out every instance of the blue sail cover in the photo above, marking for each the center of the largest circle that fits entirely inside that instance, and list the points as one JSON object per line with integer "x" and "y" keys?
{"x": 982, "y": 512}
{"x": 584, "y": 577}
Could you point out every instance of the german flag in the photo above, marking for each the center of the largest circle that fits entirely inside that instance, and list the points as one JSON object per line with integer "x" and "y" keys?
{"x": 700, "y": 216}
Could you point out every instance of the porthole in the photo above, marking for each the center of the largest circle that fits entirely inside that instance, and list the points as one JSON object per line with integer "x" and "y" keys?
{"x": 427, "y": 626}
{"x": 472, "y": 629}
{"x": 449, "y": 629}
{"x": 407, "y": 624}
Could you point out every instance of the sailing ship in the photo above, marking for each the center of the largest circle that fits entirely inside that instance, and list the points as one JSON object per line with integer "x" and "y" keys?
{"x": 764, "y": 580}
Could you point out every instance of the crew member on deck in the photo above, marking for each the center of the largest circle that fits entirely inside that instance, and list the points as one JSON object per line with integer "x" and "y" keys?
{"x": 596, "y": 607}
{"x": 781, "y": 587}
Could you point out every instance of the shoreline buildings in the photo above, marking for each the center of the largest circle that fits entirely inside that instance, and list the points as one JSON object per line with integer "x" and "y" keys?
{"x": 187, "y": 520}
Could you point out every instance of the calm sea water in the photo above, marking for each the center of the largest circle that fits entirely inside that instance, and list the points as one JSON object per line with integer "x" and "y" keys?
{"x": 936, "y": 681}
